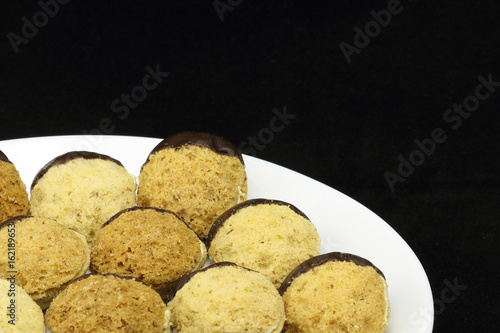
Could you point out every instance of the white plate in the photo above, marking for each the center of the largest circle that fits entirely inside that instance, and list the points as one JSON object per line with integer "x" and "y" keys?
{"x": 343, "y": 223}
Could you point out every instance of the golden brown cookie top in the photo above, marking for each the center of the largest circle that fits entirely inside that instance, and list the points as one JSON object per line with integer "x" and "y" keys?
{"x": 197, "y": 181}
{"x": 66, "y": 157}
{"x": 82, "y": 190}
{"x": 219, "y": 222}
{"x": 107, "y": 303}
{"x": 13, "y": 194}
{"x": 152, "y": 244}
{"x": 336, "y": 292}
{"x": 268, "y": 236}
{"x": 47, "y": 254}
{"x": 225, "y": 297}
{"x": 321, "y": 259}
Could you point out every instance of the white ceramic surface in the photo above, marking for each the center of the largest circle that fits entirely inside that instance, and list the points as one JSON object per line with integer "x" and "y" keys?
{"x": 343, "y": 223}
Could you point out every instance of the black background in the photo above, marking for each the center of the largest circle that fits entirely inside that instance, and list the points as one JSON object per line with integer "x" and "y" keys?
{"x": 352, "y": 120}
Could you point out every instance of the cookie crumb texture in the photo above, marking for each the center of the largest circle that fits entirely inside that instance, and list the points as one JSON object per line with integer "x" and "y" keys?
{"x": 269, "y": 238}
{"x": 337, "y": 296}
{"x": 13, "y": 194}
{"x": 156, "y": 247}
{"x": 227, "y": 299}
{"x": 28, "y": 315}
{"x": 83, "y": 194}
{"x": 195, "y": 182}
{"x": 106, "y": 303}
{"x": 48, "y": 255}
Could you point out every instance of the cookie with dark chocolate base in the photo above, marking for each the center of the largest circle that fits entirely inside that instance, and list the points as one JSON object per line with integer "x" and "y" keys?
{"x": 336, "y": 292}
{"x": 107, "y": 303}
{"x": 225, "y": 297}
{"x": 82, "y": 190}
{"x": 196, "y": 175}
{"x": 13, "y": 194}
{"x": 269, "y": 236}
{"x": 48, "y": 255}
{"x": 149, "y": 243}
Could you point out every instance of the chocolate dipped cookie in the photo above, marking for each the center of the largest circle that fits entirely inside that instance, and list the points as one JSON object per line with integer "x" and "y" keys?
{"x": 13, "y": 194}
{"x": 107, "y": 303}
{"x": 198, "y": 176}
{"x": 269, "y": 236}
{"x": 45, "y": 255}
{"x": 225, "y": 298}
{"x": 151, "y": 244}
{"x": 336, "y": 292}
{"x": 82, "y": 190}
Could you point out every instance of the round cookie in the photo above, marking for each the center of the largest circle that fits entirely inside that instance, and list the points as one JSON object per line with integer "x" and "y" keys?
{"x": 20, "y": 314}
{"x": 82, "y": 190}
{"x": 336, "y": 292}
{"x": 45, "y": 255}
{"x": 151, "y": 244}
{"x": 225, "y": 298}
{"x": 107, "y": 303}
{"x": 196, "y": 175}
{"x": 13, "y": 194}
{"x": 269, "y": 236}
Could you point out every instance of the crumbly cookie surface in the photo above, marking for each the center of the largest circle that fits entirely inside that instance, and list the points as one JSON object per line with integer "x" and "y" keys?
{"x": 83, "y": 194}
{"x": 195, "y": 182}
{"x": 337, "y": 296}
{"x": 154, "y": 246}
{"x": 13, "y": 194}
{"x": 106, "y": 303}
{"x": 47, "y": 256}
{"x": 268, "y": 238}
{"x": 227, "y": 299}
{"x": 27, "y": 316}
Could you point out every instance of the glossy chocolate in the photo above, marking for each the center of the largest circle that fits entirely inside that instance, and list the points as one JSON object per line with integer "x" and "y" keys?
{"x": 161, "y": 210}
{"x": 219, "y": 222}
{"x": 3, "y": 157}
{"x": 211, "y": 141}
{"x": 68, "y": 157}
{"x": 320, "y": 260}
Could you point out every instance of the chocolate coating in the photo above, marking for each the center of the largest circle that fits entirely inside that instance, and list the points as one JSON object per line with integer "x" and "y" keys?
{"x": 14, "y": 220}
{"x": 3, "y": 157}
{"x": 86, "y": 275}
{"x": 61, "y": 159}
{"x": 211, "y": 141}
{"x": 320, "y": 260}
{"x": 130, "y": 209}
{"x": 161, "y": 210}
{"x": 219, "y": 222}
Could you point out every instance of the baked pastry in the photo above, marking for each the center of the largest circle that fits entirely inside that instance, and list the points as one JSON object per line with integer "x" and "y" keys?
{"x": 45, "y": 255}
{"x": 152, "y": 244}
{"x": 20, "y": 314}
{"x": 198, "y": 176}
{"x": 225, "y": 297}
{"x": 336, "y": 292}
{"x": 13, "y": 194}
{"x": 269, "y": 236}
{"x": 107, "y": 303}
{"x": 82, "y": 190}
